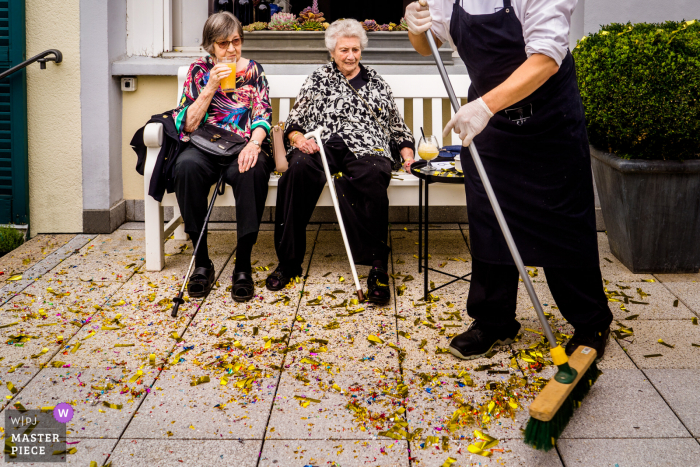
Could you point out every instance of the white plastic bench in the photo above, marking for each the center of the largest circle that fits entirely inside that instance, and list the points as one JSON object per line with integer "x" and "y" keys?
{"x": 403, "y": 191}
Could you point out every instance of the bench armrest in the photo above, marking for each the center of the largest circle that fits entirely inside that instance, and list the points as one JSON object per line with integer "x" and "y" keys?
{"x": 153, "y": 135}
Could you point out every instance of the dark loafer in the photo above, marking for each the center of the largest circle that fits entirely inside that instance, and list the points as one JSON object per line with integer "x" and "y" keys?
{"x": 378, "y": 291}
{"x": 201, "y": 281}
{"x": 279, "y": 278}
{"x": 243, "y": 286}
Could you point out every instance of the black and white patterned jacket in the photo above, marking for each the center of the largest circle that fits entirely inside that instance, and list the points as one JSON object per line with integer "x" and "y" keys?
{"x": 326, "y": 99}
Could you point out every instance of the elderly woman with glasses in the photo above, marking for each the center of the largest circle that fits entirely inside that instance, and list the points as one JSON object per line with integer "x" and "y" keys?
{"x": 245, "y": 111}
{"x": 360, "y": 119}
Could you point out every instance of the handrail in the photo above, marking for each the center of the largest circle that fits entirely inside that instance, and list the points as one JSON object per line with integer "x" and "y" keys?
{"x": 42, "y": 58}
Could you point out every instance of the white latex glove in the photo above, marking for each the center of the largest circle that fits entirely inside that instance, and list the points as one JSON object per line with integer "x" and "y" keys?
{"x": 418, "y": 18}
{"x": 469, "y": 121}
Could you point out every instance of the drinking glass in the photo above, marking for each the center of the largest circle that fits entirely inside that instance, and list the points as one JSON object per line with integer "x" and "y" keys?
{"x": 428, "y": 149}
{"x": 228, "y": 84}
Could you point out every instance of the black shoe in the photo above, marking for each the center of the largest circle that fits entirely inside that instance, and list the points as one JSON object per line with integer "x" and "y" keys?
{"x": 243, "y": 287}
{"x": 594, "y": 339}
{"x": 478, "y": 340}
{"x": 201, "y": 281}
{"x": 280, "y": 277}
{"x": 378, "y": 287}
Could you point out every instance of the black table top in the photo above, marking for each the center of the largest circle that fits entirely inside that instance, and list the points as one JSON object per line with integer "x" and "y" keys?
{"x": 439, "y": 176}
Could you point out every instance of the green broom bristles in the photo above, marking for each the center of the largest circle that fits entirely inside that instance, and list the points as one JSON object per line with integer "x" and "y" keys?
{"x": 543, "y": 435}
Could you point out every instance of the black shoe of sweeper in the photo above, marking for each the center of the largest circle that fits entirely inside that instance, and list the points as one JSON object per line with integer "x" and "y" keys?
{"x": 478, "y": 340}
{"x": 595, "y": 339}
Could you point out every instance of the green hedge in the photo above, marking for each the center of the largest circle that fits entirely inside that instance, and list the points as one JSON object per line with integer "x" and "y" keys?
{"x": 640, "y": 85}
{"x": 10, "y": 239}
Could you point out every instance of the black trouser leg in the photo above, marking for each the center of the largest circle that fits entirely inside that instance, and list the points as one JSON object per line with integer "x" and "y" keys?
{"x": 580, "y": 297}
{"x": 364, "y": 204}
{"x": 250, "y": 191}
{"x": 195, "y": 173}
{"x": 493, "y": 293}
{"x": 297, "y": 194}
{"x": 578, "y": 293}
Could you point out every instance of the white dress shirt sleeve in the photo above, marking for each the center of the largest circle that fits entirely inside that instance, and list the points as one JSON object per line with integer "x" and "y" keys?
{"x": 441, "y": 12}
{"x": 546, "y": 25}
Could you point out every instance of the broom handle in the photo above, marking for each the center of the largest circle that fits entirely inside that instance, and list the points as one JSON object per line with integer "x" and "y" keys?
{"x": 331, "y": 187}
{"x": 492, "y": 198}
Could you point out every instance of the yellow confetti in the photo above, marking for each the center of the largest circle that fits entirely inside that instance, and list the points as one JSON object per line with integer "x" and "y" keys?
{"x": 694, "y": 320}
{"x": 8, "y": 325}
{"x": 134, "y": 378}
{"x": 200, "y": 380}
{"x": 341, "y": 279}
{"x": 11, "y": 387}
{"x": 224, "y": 381}
{"x": 661, "y": 341}
{"x": 16, "y": 277}
{"x": 449, "y": 462}
{"x": 76, "y": 347}
{"x": 112, "y": 406}
{"x": 374, "y": 339}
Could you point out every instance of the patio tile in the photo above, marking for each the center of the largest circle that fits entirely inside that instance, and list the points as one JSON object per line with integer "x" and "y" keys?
{"x": 654, "y": 302}
{"x": 88, "y": 450}
{"x": 162, "y": 453}
{"x": 623, "y": 404}
{"x": 328, "y": 413}
{"x": 681, "y": 390}
{"x": 87, "y": 391}
{"x": 515, "y": 452}
{"x": 624, "y": 452}
{"x": 679, "y": 333}
{"x": 687, "y": 292}
{"x": 611, "y": 268}
{"x": 666, "y": 278}
{"x": 388, "y": 453}
{"x": 208, "y": 410}
{"x": 31, "y": 252}
{"x": 18, "y": 378}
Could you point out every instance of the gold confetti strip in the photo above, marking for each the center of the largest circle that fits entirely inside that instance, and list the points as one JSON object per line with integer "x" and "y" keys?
{"x": 201, "y": 380}
{"x": 57, "y": 364}
{"x": 43, "y": 351}
{"x": 90, "y": 334}
{"x": 653, "y": 355}
{"x": 16, "y": 277}
{"x": 694, "y": 320}
{"x": 175, "y": 336}
{"x": 48, "y": 408}
{"x": 152, "y": 359}
{"x": 70, "y": 451}
{"x": 305, "y": 401}
{"x": 449, "y": 462}
{"x": 20, "y": 407}
{"x": 76, "y": 347}
{"x": 661, "y": 341}
{"x": 11, "y": 387}
{"x": 374, "y": 339}
{"x": 695, "y": 345}
{"x": 8, "y": 325}
{"x": 112, "y": 406}
{"x": 648, "y": 280}
{"x": 124, "y": 345}
{"x": 12, "y": 370}
{"x": 134, "y": 378}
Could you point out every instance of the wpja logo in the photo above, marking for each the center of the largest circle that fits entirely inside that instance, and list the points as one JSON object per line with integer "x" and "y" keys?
{"x": 36, "y": 435}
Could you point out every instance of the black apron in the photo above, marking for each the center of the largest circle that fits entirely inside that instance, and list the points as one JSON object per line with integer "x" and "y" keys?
{"x": 536, "y": 153}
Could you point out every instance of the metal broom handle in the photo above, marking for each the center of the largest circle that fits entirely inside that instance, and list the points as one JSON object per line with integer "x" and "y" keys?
{"x": 492, "y": 198}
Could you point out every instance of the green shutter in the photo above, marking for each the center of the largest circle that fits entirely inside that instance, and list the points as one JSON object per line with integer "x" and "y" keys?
{"x": 14, "y": 186}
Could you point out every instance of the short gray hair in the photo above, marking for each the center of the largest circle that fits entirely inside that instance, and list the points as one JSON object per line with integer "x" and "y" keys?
{"x": 345, "y": 28}
{"x": 219, "y": 27}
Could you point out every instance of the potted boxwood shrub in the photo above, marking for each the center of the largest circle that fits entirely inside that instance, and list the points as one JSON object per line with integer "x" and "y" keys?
{"x": 640, "y": 86}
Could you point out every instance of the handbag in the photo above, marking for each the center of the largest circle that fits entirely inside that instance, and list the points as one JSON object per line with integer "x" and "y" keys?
{"x": 218, "y": 142}
{"x": 278, "y": 149}
{"x": 396, "y": 159}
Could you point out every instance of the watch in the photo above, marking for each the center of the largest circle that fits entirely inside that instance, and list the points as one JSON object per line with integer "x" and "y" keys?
{"x": 255, "y": 142}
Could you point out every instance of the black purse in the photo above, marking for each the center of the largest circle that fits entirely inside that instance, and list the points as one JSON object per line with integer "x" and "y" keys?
{"x": 396, "y": 159}
{"x": 217, "y": 142}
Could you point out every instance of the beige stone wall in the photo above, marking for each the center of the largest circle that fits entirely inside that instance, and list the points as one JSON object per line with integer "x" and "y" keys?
{"x": 153, "y": 94}
{"x": 53, "y": 118}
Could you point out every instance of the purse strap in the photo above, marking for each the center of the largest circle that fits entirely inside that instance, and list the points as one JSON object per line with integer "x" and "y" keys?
{"x": 386, "y": 133}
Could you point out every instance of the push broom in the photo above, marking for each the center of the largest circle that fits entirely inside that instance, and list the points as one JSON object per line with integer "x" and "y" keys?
{"x": 554, "y": 406}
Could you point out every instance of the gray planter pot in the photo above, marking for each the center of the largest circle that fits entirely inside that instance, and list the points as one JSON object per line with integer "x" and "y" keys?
{"x": 651, "y": 211}
{"x": 293, "y": 47}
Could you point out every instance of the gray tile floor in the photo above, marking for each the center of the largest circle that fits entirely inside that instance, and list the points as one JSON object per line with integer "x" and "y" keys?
{"x": 308, "y": 377}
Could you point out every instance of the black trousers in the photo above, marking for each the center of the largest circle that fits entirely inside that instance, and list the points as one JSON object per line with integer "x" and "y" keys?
{"x": 578, "y": 292}
{"x": 362, "y": 193}
{"x": 196, "y": 172}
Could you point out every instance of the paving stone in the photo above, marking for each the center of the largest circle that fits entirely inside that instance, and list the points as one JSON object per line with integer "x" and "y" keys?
{"x": 623, "y": 404}
{"x": 611, "y": 268}
{"x": 18, "y": 378}
{"x": 681, "y": 390}
{"x": 515, "y": 453}
{"x": 31, "y": 252}
{"x": 162, "y": 453}
{"x": 622, "y": 452}
{"x": 687, "y": 292}
{"x": 666, "y": 278}
{"x": 307, "y": 452}
{"x": 88, "y": 450}
{"x": 92, "y": 418}
{"x": 679, "y": 333}
{"x": 191, "y": 412}
{"x": 327, "y": 416}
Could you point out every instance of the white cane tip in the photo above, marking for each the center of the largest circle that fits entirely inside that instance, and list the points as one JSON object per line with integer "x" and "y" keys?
{"x": 360, "y": 295}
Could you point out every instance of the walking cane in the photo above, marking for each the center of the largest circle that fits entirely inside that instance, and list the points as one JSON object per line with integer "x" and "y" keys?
{"x": 331, "y": 186}
{"x": 179, "y": 300}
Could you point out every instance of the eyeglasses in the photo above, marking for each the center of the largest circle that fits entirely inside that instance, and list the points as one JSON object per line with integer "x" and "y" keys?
{"x": 225, "y": 44}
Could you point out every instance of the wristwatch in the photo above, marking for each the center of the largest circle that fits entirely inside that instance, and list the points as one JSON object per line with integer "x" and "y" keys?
{"x": 255, "y": 142}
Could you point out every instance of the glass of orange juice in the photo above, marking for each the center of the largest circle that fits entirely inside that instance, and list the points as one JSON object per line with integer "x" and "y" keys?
{"x": 428, "y": 149}
{"x": 228, "y": 84}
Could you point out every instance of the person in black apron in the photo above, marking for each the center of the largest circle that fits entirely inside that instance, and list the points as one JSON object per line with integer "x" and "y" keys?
{"x": 526, "y": 117}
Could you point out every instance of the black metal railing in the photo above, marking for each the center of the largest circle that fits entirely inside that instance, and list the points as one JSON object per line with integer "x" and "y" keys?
{"x": 42, "y": 58}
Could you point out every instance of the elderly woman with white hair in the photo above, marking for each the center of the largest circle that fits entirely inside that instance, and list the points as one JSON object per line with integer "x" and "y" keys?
{"x": 355, "y": 107}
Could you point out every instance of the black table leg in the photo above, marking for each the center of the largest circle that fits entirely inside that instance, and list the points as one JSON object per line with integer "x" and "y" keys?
{"x": 425, "y": 246}
{"x": 420, "y": 223}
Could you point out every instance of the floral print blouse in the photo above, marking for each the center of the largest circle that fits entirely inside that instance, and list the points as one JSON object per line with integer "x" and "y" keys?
{"x": 240, "y": 112}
